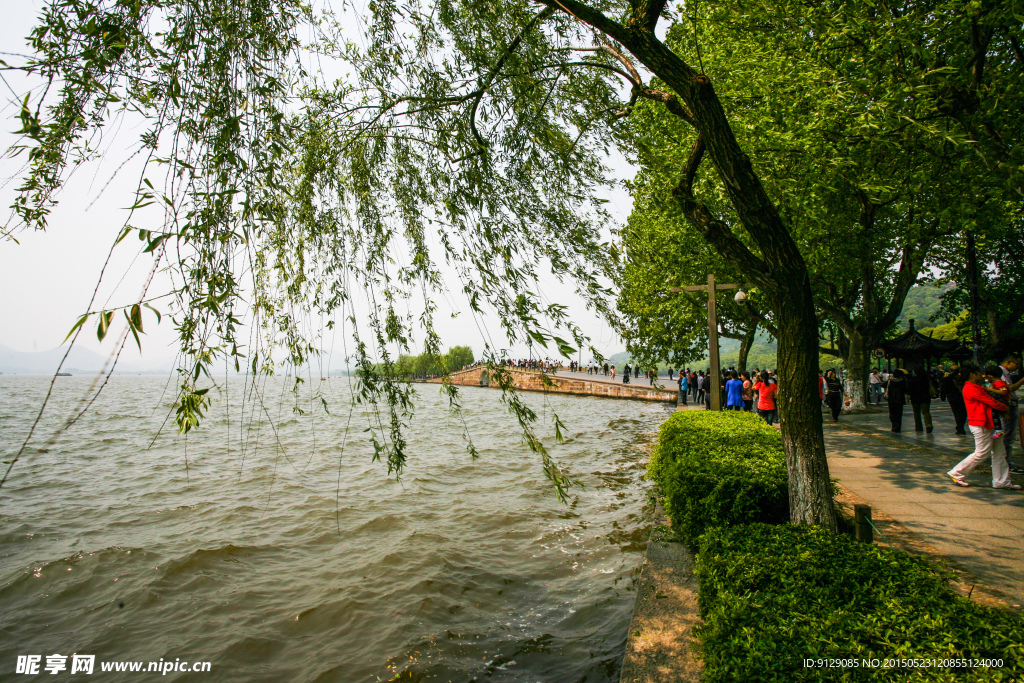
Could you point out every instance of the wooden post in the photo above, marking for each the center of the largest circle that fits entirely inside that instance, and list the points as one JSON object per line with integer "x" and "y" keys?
{"x": 714, "y": 375}
{"x": 716, "y": 379}
{"x": 862, "y": 523}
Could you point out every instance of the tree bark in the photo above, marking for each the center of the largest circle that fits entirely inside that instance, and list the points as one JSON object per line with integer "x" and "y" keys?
{"x": 857, "y": 369}
{"x": 810, "y": 487}
{"x": 745, "y": 343}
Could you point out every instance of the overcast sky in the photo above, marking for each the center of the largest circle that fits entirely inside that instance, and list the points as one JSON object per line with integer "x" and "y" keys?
{"x": 48, "y": 278}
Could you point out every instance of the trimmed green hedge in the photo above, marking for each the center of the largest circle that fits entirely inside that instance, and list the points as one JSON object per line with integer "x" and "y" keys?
{"x": 773, "y": 595}
{"x": 719, "y": 469}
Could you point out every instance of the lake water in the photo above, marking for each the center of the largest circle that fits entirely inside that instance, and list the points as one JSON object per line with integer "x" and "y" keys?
{"x": 277, "y": 557}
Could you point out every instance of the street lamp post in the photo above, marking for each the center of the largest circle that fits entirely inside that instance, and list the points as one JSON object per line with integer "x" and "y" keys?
{"x": 716, "y": 379}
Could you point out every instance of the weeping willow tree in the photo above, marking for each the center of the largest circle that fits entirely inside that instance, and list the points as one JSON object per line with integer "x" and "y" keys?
{"x": 321, "y": 156}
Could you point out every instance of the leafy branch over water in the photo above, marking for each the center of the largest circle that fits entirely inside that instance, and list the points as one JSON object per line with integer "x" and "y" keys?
{"x": 287, "y": 196}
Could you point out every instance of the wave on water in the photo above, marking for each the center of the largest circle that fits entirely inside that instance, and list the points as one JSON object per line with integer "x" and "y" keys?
{"x": 282, "y": 558}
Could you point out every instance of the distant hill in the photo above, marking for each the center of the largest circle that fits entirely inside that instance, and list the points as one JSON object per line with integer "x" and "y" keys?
{"x": 80, "y": 361}
{"x": 922, "y": 305}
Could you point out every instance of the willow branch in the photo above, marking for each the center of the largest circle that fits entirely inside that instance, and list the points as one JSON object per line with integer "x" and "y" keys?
{"x": 489, "y": 79}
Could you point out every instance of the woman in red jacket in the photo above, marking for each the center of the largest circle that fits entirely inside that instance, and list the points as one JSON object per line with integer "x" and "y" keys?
{"x": 766, "y": 398}
{"x": 979, "y": 419}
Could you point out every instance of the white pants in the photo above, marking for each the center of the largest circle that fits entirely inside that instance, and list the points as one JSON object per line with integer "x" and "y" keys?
{"x": 984, "y": 446}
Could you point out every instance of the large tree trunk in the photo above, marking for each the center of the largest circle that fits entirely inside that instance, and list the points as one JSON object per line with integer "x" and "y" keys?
{"x": 782, "y": 272}
{"x": 810, "y": 488}
{"x": 857, "y": 369}
{"x": 745, "y": 343}
{"x": 780, "y": 269}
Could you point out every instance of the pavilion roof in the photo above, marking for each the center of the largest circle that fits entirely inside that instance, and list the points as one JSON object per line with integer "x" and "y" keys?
{"x": 913, "y": 344}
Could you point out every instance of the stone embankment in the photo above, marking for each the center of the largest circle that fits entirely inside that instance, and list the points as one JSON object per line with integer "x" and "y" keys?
{"x": 534, "y": 380}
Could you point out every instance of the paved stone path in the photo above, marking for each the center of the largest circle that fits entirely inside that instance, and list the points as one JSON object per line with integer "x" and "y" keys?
{"x": 662, "y": 382}
{"x": 980, "y": 529}
{"x": 903, "y": 478}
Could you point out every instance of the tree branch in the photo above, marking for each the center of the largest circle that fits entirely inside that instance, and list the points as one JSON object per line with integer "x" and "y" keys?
{"x": 839, "y": 315}
{"x": 591, "y": 16}
{"x": 910, "y": 268}
{"x": 645, "y": 14}
{"x": 538, "y": 18}
{"x": 672, "y": 103}
{"x": 1015, "y": 44}
{"x": 980, "y": 40}
{"x": 715, "y": 231}
{"x": 623, "y": 60}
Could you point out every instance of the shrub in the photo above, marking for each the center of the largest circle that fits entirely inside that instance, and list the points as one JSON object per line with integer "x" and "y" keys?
{"x": 719, "y": 469}
{"x": 773, "y": 595}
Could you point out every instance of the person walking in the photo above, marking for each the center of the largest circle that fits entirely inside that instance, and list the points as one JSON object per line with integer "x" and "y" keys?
{"x": 748, "y": 391}
{"x": 922, "y": 390}
{"x": 684, "y": 387}
{"x": 1008, "y": 368}
{"x": 979, "y": 418}
{"x": 896, "y": 396}
{"x": 875, "y": 387}
{"x": 952, "y": 388}
{"x": 733, "y": 392}
{"x": 700, "y": 387}
{"x": 766, "y": 398}
{"x": 625, "y": 374}
{"x": 833, "y": 394}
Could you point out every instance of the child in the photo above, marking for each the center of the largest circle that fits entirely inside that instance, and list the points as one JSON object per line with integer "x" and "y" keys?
{"x": 999, "y": 390}
{"x": 979, "y": 420}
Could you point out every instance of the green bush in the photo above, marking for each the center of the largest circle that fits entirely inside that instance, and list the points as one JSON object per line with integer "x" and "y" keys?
{"x": 719, "y": 469}
{"x": 774, "y": 595}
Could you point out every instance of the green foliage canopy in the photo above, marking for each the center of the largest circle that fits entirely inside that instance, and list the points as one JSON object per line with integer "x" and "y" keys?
{"x": 846, "y": 110}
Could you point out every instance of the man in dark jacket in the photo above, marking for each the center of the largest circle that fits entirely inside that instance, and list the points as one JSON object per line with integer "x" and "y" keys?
{"x": 955, "y": 398}
{"x": 896, "y": 396}
{"x": 920, "y": 389}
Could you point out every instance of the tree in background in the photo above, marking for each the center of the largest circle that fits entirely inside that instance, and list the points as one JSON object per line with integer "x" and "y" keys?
{"x": 1000, "y": 282}
{"x": 428, "y": 364}
{"x": 847, "y": 110}
{"x": 663, "y": 251}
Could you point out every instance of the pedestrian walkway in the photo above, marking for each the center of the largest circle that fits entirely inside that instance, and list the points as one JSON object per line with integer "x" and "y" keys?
{"x": 980, "y": 530}
{"x": 903, "y": 476}
{"x": 943, "y": 437}
{"x": 661, "y": 382}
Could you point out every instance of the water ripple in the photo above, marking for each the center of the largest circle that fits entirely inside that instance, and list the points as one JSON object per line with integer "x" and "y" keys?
{"x": 284, "y": 558}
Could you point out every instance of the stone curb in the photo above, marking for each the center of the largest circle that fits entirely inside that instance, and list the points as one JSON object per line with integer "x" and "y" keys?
{"x": 659, "y": 645}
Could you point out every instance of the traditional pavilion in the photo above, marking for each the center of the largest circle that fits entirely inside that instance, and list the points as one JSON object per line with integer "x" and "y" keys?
{"x": 915, "y": 349}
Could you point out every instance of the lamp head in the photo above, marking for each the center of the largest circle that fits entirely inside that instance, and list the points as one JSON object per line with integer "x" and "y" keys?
{"x": 740, "y": 296}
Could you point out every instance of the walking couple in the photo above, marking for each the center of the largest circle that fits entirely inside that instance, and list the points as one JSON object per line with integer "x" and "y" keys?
{"x": 987, "y": 441}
